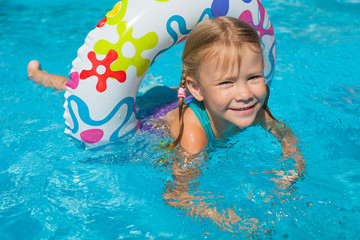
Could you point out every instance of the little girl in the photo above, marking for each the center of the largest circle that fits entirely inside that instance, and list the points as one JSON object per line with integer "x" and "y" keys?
{"x": 223, "y": 69}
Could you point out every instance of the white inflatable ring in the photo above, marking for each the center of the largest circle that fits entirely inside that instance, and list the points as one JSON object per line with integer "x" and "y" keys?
{"x": 101, "y": 93}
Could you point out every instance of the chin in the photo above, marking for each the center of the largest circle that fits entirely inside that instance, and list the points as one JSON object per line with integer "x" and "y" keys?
{"x": 244, "y": 123}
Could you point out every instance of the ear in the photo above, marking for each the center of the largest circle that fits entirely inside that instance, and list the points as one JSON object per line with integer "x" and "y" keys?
{"x": 194, "y": 88}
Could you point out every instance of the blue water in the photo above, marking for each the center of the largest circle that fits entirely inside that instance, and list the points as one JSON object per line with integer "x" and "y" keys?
{"x": 51, "y": 189}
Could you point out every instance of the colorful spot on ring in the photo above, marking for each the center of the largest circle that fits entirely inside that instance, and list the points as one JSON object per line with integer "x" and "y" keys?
{"x": 219, "y": 8}
{"x": 146, "y": 42}
{"x": 92, "y": 135}
{"x": 101, "y": 70}
{"x": 101, "y": 23}
{"x": 117, "y": 13}
{"x": 73, "y": 80}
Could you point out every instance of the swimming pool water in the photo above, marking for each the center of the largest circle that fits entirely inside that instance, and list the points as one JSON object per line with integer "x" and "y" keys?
{"x": 52, "y": 189}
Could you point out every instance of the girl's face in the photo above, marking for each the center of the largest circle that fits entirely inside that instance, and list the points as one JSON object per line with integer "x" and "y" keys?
{"x": 237, "y": 97}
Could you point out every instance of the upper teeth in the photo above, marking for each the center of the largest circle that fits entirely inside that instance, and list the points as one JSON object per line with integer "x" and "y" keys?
{"x": 245, "y": 108}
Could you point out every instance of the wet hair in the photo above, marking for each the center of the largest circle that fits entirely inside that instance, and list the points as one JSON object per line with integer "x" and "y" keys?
{"x": 216, "y": 38}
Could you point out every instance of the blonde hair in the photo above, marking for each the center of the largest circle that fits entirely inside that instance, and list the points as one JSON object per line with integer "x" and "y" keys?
{"x": 214, "y": 38}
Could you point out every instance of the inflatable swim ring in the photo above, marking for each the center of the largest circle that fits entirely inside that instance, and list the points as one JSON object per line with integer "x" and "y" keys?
{"x": 101, "y": 93}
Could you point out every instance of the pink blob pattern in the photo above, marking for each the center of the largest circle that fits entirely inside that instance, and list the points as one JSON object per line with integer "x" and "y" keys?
{"x": 137, "y": 126}
{"x": 246, "y": 16}
{"x": 73, "y": 80}
{"x": 92, "y": 135}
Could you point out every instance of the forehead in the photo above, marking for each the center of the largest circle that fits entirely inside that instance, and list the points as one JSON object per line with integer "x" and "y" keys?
{"x": 229, "y": 61}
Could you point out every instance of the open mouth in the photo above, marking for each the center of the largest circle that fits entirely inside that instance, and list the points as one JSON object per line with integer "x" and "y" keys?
{"x": 243, "y": 109}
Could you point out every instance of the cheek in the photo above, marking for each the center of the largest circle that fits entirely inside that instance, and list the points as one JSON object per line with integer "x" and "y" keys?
{"x": 260, "y": 92}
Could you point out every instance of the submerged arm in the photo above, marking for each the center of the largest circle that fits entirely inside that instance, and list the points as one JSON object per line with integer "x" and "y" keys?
{"x": 178, "y": 194}
{"x": 290, "y": 149}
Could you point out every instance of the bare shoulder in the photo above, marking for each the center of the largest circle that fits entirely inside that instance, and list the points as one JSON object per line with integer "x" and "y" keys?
{"x": 194, "y": 138}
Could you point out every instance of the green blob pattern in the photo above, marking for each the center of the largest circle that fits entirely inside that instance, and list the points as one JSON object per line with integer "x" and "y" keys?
{"x": 146, "y": 42}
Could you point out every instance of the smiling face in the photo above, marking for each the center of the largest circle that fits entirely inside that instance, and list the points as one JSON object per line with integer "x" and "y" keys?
{"x": 233, "y": 94}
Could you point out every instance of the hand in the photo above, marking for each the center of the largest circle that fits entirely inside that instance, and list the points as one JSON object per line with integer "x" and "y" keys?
{"x": 287, "y": 178}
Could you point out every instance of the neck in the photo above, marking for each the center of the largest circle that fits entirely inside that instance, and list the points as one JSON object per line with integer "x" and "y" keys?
{"x": 221, "y": 129}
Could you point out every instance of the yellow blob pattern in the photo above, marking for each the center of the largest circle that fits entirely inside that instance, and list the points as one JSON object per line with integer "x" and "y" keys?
{"x": 146, "y": 42}
{"x": 117, "y": 13}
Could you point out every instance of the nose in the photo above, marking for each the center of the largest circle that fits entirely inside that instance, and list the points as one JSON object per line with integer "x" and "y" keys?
{"x": 243, "y": 93}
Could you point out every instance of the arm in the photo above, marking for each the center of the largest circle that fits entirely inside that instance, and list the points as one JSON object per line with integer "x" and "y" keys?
{"x": 41, "y": 77}
{"x": 290, "y": 149}
{"x": 179, "y": 193}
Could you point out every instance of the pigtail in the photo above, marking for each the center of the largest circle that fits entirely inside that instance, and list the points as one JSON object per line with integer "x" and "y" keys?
{"x": 265, "y": 105}
{"x": 267, "y": 109}
{"x": 181, "y": 96}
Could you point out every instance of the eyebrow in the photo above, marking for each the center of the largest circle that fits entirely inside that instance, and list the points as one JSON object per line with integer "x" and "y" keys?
{"x": 235, "y": 77}
{"x": 227, "y": 77}
{"x": 257, "y": 73}
{"x": 228, "y": 74}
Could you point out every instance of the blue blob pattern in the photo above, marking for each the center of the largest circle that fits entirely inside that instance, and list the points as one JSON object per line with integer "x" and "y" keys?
{"x": 182, "y": 28}
{"x": 84, "y": 114}
{"x": 220, "y": 8}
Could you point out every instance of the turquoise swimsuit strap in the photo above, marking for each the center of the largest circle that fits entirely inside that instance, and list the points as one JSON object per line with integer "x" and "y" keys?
{"x": 200, "y": 112}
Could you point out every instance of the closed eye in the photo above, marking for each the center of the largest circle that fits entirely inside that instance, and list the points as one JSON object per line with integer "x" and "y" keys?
{"x": 225, "y": 82}
{"x": 255, "y": 77}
